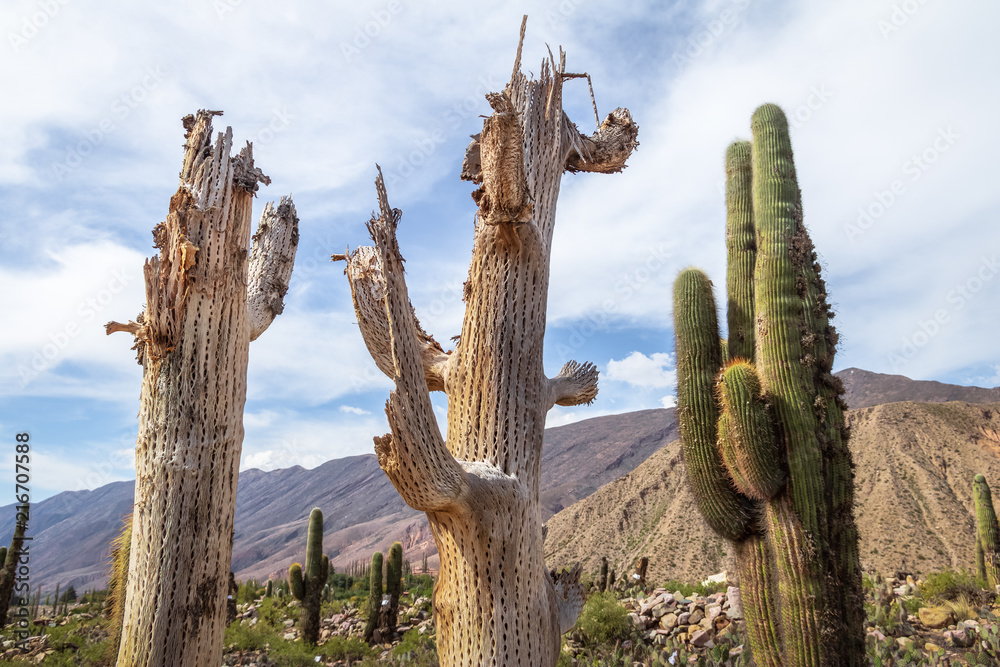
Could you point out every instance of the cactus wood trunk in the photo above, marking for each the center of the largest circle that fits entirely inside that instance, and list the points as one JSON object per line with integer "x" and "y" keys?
{"x": 763, "y": 433}
{"x": 987, "y": 533}
{"x": 307, "y": 587}
{"x": 495, "y": 603}
{"x": 208, "y": 294}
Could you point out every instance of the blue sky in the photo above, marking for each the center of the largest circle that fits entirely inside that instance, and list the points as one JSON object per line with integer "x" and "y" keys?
{"x": 893, "y": 111}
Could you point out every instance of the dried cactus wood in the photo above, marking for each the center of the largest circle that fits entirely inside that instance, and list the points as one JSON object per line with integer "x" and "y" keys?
{"x": 207, "y": 297}
{"x": 495, "y": 603}
{"x": 763, "y": 434}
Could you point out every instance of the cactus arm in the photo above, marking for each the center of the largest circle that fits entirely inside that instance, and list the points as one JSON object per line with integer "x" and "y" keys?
{"x": 605, "y": 151}
{"x": 753, "y": 451}
{"x": 414, "y": 455}
{"x": 368, "y": 289}
{"x": 296, "y": 583}
{"x": 314, "y": 546}
{"x": 741, "y": 249}
{"x": 699, "y": 360}
{"x": 576, "y": 384}
{"x": 570, "y": 596}
{"x": 270, "y": 267}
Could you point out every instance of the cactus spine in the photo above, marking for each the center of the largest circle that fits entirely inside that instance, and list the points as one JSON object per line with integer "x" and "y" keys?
{"x": 763, "y": 434}
{"x": 307, "y": 587}
{"x": 117, "y": 585}
{"x": 393, "y": 587}
{"x": 374, "y": 596}
{"x": 987, "y": 533}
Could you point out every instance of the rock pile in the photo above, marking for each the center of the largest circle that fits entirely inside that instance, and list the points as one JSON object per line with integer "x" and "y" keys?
{"x": 696, "y": 620}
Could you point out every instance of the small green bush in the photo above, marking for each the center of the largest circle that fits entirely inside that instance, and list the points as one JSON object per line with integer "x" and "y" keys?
{"x": 603, "y": 620}
{"x": 345, "y": 648}
{"x": 241, "y": 637}
{"x": 951, "y": 585}
{"x": 416, "y": 645}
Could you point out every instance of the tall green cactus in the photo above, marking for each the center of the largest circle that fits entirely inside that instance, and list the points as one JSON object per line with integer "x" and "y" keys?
{"x": 987, "y": 533}
{"x": 308, "y": 587}
{"x": 393, "y": 587}
{"x": 374, "y": 597}
{"x": 763, "y": 431}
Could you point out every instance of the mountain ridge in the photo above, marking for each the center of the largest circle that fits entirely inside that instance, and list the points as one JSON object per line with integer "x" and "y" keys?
{"x": 363, "y": 512}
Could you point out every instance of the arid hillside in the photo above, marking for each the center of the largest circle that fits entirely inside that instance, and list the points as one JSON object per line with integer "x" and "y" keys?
{"x": 914, "y": 468}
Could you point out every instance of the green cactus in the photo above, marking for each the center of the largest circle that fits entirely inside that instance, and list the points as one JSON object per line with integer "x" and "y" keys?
{"x": 308, "y": 587}
{"x": 987, "y": 533}
{"x": 393, "y": 587}
{"x": 269, "y": 590}
{"x": 374, "y": 597}
{"x": 8, "y": 566}
{"x": 763, "y": 433}
{"x": 603, "y": 586}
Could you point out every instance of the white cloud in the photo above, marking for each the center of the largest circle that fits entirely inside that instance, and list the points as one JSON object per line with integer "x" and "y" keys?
{"x": 669, "y": 401}
{"x": 656, "y": 371}
{"x": 350, "y": 409}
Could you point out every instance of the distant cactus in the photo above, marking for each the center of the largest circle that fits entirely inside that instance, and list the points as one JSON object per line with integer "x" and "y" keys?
{"x": 374, "y": 597}
{"x": 269, "y": 590}
{"x": 307, "y": 587}
{"x": 604, "y": 574}
{"x": 8, "y": 568}
{"x": 393, "y": 588}
{"x": 987, "y": 533}
{"x": 763, "y": 437}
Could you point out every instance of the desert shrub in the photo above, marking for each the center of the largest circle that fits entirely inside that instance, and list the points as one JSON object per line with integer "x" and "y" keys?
{"x": 695, "y": 589}
{"x": 416, "y": 648}
{"x": 603, "y": 620}
{"x": 330, "y": 608}
{"x": 345, "y": 648}
{"x": 951, "y": 585}
{"x": 243, "y": 637}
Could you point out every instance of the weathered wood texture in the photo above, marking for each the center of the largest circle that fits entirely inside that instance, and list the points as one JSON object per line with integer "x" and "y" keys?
{"x": 206, "y": 299}
{"x": 495, "y": 603}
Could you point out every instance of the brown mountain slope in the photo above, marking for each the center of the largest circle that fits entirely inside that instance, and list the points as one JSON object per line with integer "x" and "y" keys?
{"x": 914, "y": 468}
{"x": 863, "y": 389}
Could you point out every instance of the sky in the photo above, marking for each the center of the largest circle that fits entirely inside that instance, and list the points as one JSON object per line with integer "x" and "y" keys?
{"x": 892, "y": 108}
